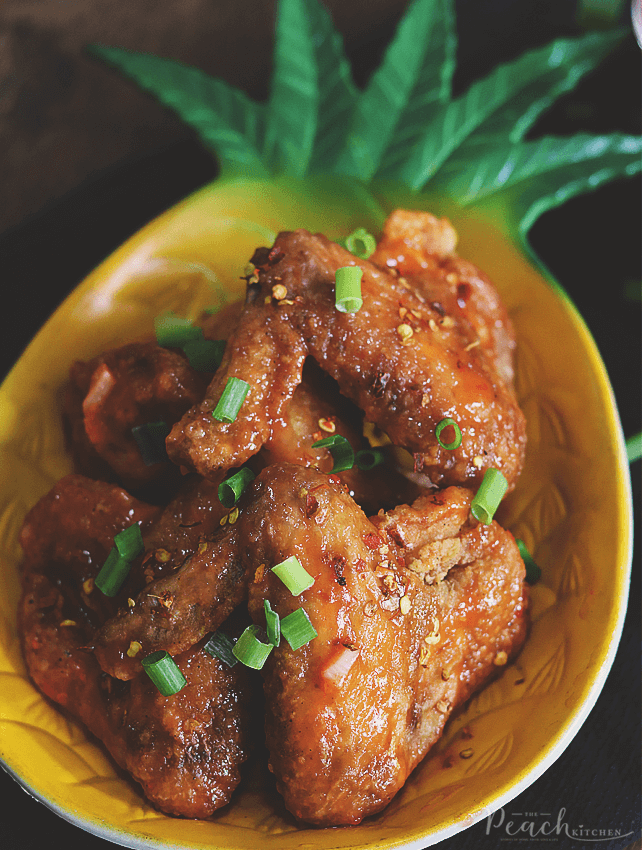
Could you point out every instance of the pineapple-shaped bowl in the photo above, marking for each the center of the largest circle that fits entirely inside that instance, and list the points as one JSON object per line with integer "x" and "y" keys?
{"x": 324, "y": 155}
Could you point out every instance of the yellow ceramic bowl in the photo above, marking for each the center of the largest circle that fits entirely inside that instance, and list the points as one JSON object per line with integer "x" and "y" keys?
{"x": 572, "y": 508}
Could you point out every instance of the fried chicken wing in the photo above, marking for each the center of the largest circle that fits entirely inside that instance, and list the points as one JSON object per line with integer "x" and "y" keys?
{"x": 432, "y": 344}
{"x": 350, "y": 714}
{"x": 185, "y": 750}
{"x": 122, "y": 388}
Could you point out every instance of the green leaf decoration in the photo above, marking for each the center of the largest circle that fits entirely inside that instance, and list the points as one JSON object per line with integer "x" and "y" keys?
{"x": 312, "y": 92}
{"x": 403, "y": 93}
{"x": 224, "y": 117}
{"x": 485, "y": 102}
{"x": 565, "y": 62}
{"x": 404, "y": 127}
{"x": 536, "y": 176}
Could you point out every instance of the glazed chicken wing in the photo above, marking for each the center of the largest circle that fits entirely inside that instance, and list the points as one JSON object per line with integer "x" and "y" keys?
{"x": 136, "y": 384}
{"x": 185, "y": 750}
{"x": 351, "y": 713}
{"x": 429, "y": 344}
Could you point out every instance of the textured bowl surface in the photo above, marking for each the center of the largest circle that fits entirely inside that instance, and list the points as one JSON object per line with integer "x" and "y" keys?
{"x": 572, "y": 508}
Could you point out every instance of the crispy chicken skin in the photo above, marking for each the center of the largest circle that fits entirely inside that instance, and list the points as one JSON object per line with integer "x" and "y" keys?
{"x": 337, "y": 753}
{"x": 432, "y": 343}
{"x": 185, "y": 750}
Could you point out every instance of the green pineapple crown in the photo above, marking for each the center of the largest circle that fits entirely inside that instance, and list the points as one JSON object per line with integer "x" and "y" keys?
{"x": 404, "y": 127}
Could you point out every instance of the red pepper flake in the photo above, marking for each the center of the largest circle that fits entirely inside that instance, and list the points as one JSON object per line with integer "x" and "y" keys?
{"x": 418, "y": 459}
{"x": 275, "y": 255}
{"x": 311, "y": 505}
{"x": 463, "y": 293}
{"x": 372, "y": 541}
{"x": 335, "y": 479}
{"x": 395, "y": 535}
{"x": 338, "y": 563}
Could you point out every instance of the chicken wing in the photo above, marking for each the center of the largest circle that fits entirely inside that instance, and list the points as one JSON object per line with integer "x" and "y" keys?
{"x": 185, "y": 750}
{"x": 431, "y": 344}
{"x": 133, "y": 385}
{"x": 350, "y": 714}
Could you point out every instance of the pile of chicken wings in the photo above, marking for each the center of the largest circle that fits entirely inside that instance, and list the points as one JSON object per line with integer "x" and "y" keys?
{"x": 415, "y": 603}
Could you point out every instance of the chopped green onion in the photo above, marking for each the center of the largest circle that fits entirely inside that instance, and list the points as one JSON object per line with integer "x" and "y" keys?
{"x": 250, "y": 650}
{"x": 204, "y": 355}
{"x": 533, "y": 571}
{"x": 230, "y": 490}
{"x": 369, "y": 458}
{"x": 297, "y": 629}
{"x": 273, "y": 624}
{"x": 128, "y": 545}
{"x": 293, "y": 575}
{"x": 491, "y": 492}
{"x": 129, "y": 542}
{"x": 360, "y": 243}
{"x": 347, "y": 298}
{"x": 220, "y": 646}
{"x": 441, "y": 426}
{"x": 150, "y": 439}
{"x": 164, "y": 672}
{"x": 113, "y": 573}
{"x": 174, "y": 332}
{"x": 231, "y": 400}
{"x": 340, "y": 449}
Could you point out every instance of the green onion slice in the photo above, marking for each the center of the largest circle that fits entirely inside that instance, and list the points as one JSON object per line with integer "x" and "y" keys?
{"x": 129, "y": 542}
{"x": 347, "y": 298}
{"x": 113, "y": 573}
{"x": 231, "y": 400}
{"x": 204, "y": 355}
{"x": 293, "y": 575}
{"x": 250, "y": 650}
{"x": 150, "y": 439}
{"x": 486, "y": 500}
{"x": 164, "y": 672}
{"x": 340, "y": 449}
{"x": 533, "y": 571}
{"x": 297, "y": 629}
{"x": 174, "y": 332}
{"x": 448, "y": 423}
{"x": 273, "y": 624}
{"x": 369, "y": 458}
{"x": 220, "y": 646}
{"x": 360, "y": 243}
{"x": 230, "y": 490}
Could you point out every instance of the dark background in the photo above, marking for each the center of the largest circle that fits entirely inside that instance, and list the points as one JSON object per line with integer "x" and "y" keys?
{"x": 86, "y": 160}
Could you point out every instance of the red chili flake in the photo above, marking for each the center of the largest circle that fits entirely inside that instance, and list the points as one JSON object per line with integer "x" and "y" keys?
{"x": 372, "y": 541}
{"x": 463, "y": 293}
{"x": 338, "y": 563}
{"x": 395, "y": 534}
{"x": 275, "y": 255}
{"x": 379, "y": 383}
{"x": 336, "y": 479}
{"x": 418, "y": 461}
{"x": 311, "y": 505}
